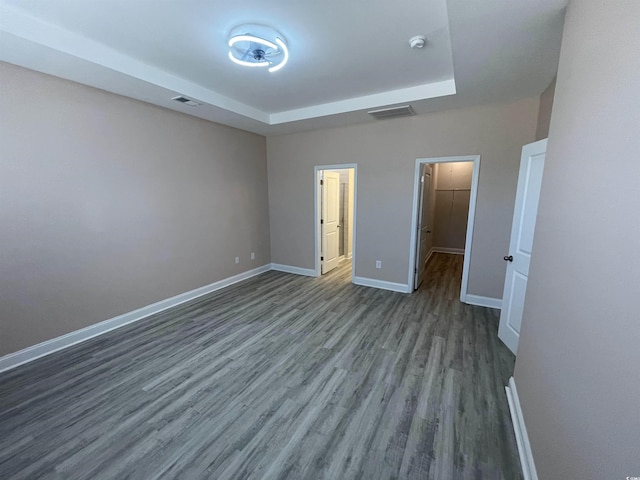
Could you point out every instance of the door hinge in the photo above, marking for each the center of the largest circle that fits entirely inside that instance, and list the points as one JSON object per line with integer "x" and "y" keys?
{"x": 416, "y": 270}
{"x": 321, "y": 182}
{"x": 322, "y": 258}
{"x": 321, "y": 221}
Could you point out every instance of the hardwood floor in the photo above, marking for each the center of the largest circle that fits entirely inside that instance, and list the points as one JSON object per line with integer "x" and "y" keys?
{"x": 281, "y": 376}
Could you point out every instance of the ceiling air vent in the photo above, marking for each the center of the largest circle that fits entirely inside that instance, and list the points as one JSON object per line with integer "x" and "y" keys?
{"x": 186, "y": 101}
{"x": 393, "y": 112}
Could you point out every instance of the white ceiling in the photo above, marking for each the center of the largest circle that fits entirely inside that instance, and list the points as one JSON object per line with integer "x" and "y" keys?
{"x": 346, "y": 57}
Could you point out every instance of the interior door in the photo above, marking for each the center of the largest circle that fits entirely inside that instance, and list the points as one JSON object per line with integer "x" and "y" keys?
{"x": 522, "y": 230}
{"x": 424, "y": 227}
{"x": 330, "y": 221}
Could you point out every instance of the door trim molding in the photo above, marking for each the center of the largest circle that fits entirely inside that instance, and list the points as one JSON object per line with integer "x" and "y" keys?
{"x": 520, "y": 430}
{"x": 33, "y": 352}
{"x": 316, "y": 217}
{"x": 470, "y": 219}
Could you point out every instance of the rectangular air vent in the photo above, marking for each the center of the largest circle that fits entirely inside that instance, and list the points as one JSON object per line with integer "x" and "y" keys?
{"x": 392, "y": 112}
{"x": 186, "y": 101}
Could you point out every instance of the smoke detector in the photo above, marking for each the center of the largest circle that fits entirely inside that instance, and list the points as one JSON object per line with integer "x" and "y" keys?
{"x": 417, "y": 41}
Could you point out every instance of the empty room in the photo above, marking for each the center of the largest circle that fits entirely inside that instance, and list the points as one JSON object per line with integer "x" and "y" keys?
{"x": 335, "y": 240}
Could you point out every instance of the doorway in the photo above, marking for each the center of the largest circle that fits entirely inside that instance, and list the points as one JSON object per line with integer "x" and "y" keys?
{"x": 335, "y": 193}
{"x": 444, "y": 201}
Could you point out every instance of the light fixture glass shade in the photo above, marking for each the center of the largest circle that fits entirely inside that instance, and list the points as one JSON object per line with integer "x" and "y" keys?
{"x": 258, "y": 46}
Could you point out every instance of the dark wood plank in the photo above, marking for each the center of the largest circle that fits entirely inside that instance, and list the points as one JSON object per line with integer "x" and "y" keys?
{"x": 280, "y": 376}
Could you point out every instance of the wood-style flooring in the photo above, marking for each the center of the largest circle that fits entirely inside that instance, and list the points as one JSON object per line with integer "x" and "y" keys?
{"x": 280, "y": 376}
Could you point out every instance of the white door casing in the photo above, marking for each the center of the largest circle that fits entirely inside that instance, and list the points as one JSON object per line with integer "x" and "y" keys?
{"x": 475, "y": 175}
{"x": 330, "y": 221}
{"x": 424, "y": 228}
{"x": 522, "y": 232}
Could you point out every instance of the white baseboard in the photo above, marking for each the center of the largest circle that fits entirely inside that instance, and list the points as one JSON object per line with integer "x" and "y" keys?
{"x": 29, "y": 354}
{"x": 309, "y": 272}
{"x": 520, "y": 429}
{"x": 431, "y": 251}
{"x": 394, "y": 287}
{"x": 456, "y": 251}
{"x": 482, "y": 301}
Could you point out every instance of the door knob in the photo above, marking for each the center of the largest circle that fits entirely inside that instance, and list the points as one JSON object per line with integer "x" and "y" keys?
{"x": 509, "y": 258}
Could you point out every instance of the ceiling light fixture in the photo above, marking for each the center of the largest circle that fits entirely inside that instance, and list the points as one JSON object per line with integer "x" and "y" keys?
{"x": 258, "y": 46}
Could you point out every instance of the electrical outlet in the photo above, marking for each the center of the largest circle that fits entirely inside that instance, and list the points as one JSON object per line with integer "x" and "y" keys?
{"x": 253, "y": 255}
{"x": 237, "y": 259}
{"x": 378, "y": 263}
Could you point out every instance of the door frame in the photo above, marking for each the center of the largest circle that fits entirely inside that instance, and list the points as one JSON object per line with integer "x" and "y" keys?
{"x": 317, "y": 204}
{"x": 470, "y": 219}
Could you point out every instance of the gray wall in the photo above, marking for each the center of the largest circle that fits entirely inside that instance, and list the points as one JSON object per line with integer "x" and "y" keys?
{"x": 108, "y": 204}
{"x": 578, "y": 365}
{"x": 544, "y": 114}
{"x": 386, "y": 152}
{"x": 452, "y": 195}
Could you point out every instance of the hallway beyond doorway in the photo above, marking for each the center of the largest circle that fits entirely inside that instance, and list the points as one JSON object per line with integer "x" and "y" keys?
{"x": 335, "y": 216}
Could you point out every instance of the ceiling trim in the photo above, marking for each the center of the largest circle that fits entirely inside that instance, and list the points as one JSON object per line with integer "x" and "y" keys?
{"x": 403, "y": 95}
{"x": 42, "y": 36}
{"x": 51, "y": 36}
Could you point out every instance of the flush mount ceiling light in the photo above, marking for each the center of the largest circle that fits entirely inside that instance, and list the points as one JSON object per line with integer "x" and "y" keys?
{"x": 258, "y": 46}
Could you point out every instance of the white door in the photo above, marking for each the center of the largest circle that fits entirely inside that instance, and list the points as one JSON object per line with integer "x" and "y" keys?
{"x": 522, "y": 229}
{"x": 424, "y": 228}
{"x": 330, "y": 221}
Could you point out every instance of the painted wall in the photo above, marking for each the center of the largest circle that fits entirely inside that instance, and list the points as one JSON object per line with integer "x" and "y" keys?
{"x": 578, "y": 365}
{"x": 452, "y": 195}
{"x": 386, "y": 153}
{"x": 544, "y": 114}
{"x": 108, "y": 205}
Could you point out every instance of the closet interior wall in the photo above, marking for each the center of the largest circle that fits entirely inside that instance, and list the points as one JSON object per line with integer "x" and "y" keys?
{"x": 451, "y": 205}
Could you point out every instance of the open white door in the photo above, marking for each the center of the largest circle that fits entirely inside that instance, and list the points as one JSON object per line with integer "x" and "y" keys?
{"x": 522, "y": 230}
{"x": 329, "y": 222}
{"x": 424, "y": 228}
